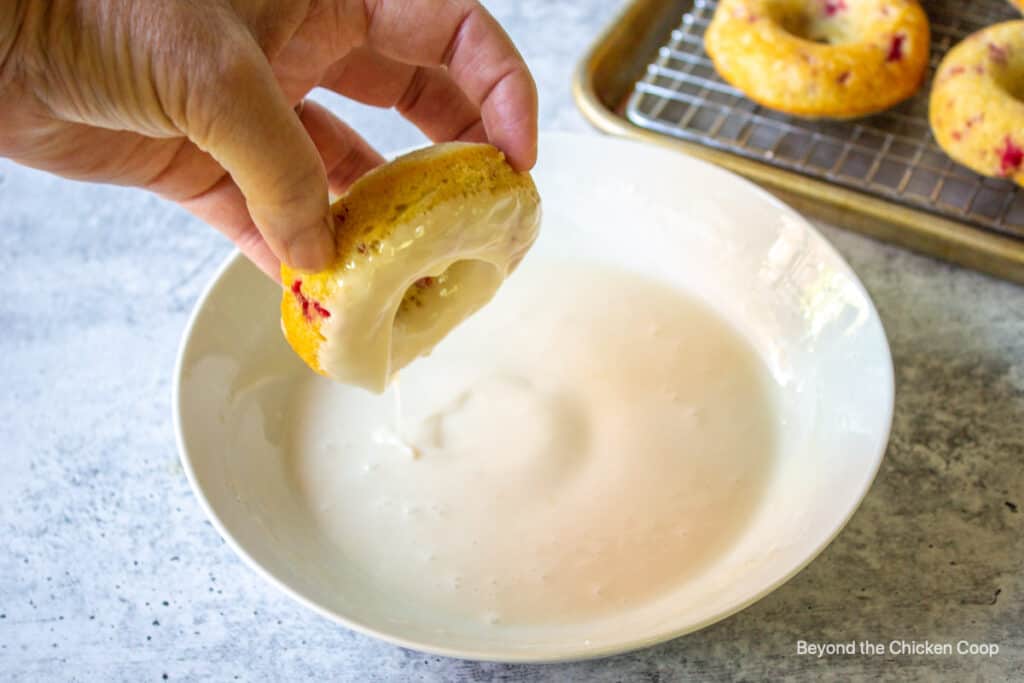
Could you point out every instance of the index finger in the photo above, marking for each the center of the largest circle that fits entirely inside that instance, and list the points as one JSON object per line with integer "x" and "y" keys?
{"x": 462, "y": 36}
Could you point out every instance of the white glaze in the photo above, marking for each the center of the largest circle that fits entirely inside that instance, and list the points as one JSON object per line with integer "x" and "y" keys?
{"x": 615, "y": 440}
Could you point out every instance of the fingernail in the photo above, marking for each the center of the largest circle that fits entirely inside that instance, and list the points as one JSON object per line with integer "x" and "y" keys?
{"x": 312, "y": 250}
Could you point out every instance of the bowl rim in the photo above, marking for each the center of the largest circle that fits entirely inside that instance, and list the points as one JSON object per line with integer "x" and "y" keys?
{"x": 567, "y": 654}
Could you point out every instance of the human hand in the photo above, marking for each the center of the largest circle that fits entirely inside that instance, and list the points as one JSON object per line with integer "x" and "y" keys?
{"x": 196, "y": 101}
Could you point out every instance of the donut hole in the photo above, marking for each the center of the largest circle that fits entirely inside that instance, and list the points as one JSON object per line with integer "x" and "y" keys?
{"x": 438, "y": 301}
{"x": 800, "y": 25}
{"x": 1011, "y": 80}
{"x": 811, "y": 27}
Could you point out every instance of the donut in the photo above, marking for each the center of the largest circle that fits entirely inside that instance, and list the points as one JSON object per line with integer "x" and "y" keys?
{"x": 821, "y": 58}
{"x": 422, "y": 243}
{"x": 975, "y": 110}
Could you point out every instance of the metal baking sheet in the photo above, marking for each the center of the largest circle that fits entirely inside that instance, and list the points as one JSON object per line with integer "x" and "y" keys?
{"x": 648, "y": 77}
{"x": 891, "y": 155}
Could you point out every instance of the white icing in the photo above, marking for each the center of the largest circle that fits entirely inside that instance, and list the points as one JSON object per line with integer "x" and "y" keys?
{"x": 470, "y": 245}
{"x": 587, "y": 443}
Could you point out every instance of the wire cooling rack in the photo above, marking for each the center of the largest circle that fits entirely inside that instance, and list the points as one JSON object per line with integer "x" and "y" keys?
{"x": 890, "y": 155}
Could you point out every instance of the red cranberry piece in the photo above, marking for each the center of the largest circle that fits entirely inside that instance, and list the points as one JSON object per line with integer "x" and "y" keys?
{"x": 896, "y": 48}
{"x": 1000, "y": 54}
{"x": 833, "y": 7}
{"x": 1011, "y": 156}
{"x": 306, "y": 303}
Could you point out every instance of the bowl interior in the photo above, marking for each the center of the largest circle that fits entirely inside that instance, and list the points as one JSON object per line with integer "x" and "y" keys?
{"x": 684, "y": 223}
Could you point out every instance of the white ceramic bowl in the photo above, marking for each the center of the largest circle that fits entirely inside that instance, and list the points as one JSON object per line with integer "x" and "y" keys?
{"x": 681, "y": 221}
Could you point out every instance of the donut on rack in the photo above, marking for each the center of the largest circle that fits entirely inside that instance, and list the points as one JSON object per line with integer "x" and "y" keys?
{"x": 976, "y": 109}
{"x": 422, "y": 243}
{"x": 821, "y": 58}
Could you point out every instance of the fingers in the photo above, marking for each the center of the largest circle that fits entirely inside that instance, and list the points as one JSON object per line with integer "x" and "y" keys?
{"x": 426, "y": 96}
{"x": 344, "y": 155}
{"x": 243, "y": 120}
{"x": 175, "y": 169}
{"x": 480, "y": 58}
{"x": 179, "y": 171}
{"x": 223, "y": 206}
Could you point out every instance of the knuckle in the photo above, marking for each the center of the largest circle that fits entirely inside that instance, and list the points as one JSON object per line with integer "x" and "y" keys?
{"x": 469, "y": 13}
{"x": 218, "y": 89}
{"x": 294, "y": 192}
{"x": 410, "y": 98}
{"x": 349, "y": 168}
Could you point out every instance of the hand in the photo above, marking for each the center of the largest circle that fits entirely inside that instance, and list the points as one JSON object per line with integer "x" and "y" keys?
{"x": 196, "y": 101}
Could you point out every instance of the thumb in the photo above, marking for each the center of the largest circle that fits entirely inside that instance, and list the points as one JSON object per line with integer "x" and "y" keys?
{"x": 244, "y": 121}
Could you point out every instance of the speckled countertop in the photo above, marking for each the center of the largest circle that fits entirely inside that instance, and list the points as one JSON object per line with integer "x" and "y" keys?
{"x": 109, "y": 571}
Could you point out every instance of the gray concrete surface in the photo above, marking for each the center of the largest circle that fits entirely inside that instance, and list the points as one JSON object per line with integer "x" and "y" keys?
{"x": 109, "y": 571}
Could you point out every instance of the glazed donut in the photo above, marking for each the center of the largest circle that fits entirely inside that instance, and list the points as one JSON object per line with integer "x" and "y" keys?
{"x": 821, "y": 58}
{"x": 975, "y": 111}
{"x": 422, "y": 243}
